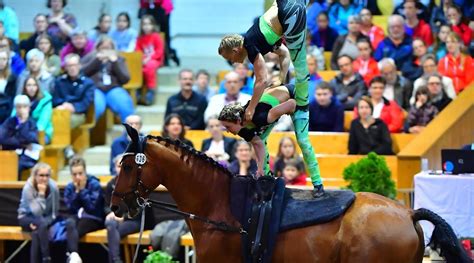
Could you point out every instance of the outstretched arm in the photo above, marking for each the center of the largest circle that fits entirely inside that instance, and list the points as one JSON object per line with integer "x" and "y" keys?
{"x": 287, "y": 107}
{"x": 261, "y": 82}
{"x": 259, "y": 148}
{"x": 284, "y": 57}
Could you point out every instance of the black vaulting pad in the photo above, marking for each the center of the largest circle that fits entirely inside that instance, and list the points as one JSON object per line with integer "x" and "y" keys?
{"x": 300, "y": 209}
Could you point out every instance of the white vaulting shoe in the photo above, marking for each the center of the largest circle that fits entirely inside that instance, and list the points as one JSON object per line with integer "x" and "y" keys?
{"x": 74, "y": 258}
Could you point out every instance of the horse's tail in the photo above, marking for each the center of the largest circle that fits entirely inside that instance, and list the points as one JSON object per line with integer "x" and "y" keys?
{"x": 443, "y": 237}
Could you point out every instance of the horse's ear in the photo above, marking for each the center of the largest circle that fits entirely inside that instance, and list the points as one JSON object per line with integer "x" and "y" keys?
{"x": 131, "y": 132}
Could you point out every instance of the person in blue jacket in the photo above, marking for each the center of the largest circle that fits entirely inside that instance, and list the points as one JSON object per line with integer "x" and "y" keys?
{"x": 19, "y": 132}
{"x": 339, "y": 13}
{"x": 326, "y": 113}
{"x": 84, "y": 200}
{"x": 73, "y": 91}
{"x": 397, "y": 45}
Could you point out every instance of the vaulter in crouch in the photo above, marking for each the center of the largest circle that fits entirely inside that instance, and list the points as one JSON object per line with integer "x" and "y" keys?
{"x": 274, "y": 103}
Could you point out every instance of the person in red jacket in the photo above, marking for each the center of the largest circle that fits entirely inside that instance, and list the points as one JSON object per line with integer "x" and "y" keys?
{"x": 455, "y": 65}
{"x": 367, "y": 28}
{"x": 454, "y": 17}
{"x": 151, "y": 45}
{"x": 365, "y": 64}
{"x": 292, "y": 173}
{"x": 388, "y": 111}
{"x": 417, "y": 28}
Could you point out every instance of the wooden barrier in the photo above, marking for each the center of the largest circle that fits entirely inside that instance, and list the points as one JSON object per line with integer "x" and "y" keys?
{"x": 8, "y": 166}
{"x": 323, "y": 142}
{"x": 348, "y": 117}
{"x": 15, "y": 233}
{"x": 332, "y": 167}
{"x": 80, "y": 136}
{"x": 452, "y": 128}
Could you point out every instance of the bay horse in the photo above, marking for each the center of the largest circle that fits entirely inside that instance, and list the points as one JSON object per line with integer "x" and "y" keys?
{"x": 373, "y": 229}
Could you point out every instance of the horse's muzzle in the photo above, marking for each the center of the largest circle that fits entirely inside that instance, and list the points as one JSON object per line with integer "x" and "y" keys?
{"x": 117, "y": 211}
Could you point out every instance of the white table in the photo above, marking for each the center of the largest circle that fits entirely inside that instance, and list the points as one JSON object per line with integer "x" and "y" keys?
{"x": 451, "y": 197}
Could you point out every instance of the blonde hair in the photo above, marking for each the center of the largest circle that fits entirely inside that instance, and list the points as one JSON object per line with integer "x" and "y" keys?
{"x": 232, "y": 112}
{"x": 229, "y": 42}
{"x": 39, "y": 166}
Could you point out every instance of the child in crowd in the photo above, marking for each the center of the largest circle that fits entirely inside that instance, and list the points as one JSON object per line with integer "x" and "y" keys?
{"x": 292, "y": 173}
{"x": 41, "y": 108}
{"x": 422, "y": 112}
{"x": 439, "y": 47}
{"x": 286, "y": 152}
{"x": 52, "y": 61}
{"x": 124, "y": 36}
{"x": 365, "y": 64}
{"x": 151, "y": 45}
{"x": 102, "y": 28}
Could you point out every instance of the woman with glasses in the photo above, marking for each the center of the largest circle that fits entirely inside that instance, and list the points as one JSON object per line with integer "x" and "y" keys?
{"x": 429, "y": 66}
{"x": 438, "y": 96}
{"x": 39, "y": 206}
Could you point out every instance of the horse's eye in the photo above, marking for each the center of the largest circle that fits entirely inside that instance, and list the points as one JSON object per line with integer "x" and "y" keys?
{"x": 127, "y": 168}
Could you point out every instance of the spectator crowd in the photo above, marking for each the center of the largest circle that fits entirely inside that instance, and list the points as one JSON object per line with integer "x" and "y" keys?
{"x": 391, "y": 82}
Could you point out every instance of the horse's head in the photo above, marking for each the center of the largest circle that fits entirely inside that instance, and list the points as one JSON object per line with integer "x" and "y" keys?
{"x": 135, "y": 181}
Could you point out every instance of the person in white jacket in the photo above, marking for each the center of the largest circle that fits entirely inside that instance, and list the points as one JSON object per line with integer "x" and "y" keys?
{"x": 233, "y": 84}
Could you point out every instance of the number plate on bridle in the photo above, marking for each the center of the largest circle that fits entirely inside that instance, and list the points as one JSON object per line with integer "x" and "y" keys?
{"x": 140, "y": 158}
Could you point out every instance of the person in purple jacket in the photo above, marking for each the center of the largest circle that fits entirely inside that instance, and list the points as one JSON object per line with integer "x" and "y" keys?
{"x": 84, "y": 200}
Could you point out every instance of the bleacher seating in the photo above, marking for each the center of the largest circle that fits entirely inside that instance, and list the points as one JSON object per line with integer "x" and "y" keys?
{"x": 15, "y": 233}
{"x": 327, "y": 59}
{"x": 134, "y": 65}
{"x": 328, "y": 75}
{"x": 8, "y": 166}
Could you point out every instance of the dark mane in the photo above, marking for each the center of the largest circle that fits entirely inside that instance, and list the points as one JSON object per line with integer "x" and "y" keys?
{"x": 189, "y": 151}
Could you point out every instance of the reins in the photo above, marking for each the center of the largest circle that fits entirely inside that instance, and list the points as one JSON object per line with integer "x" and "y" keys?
{"x": 140, "y": 160}
{"x": 223, "y": 226}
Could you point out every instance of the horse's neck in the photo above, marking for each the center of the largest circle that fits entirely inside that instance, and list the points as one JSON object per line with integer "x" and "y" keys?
{"x": 198, "y": 187}
{"x": 202, "y": 189}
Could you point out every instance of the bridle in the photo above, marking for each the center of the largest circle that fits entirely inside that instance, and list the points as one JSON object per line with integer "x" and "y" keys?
{"x": 140, "y": 160}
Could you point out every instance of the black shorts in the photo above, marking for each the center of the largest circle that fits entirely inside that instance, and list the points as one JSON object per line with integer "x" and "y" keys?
{"x": 291, "y": 90}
